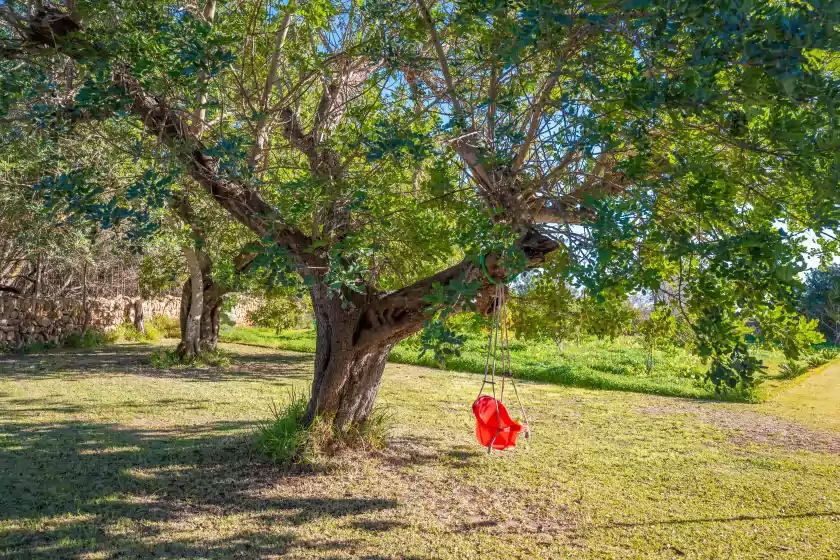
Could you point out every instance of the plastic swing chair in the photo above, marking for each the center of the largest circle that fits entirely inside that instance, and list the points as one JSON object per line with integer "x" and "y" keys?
{"x": 494, "y": 428}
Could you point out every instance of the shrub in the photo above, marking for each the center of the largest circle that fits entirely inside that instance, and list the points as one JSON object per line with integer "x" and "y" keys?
{"x": 817, "y": 359}
{"x": 91, "y": 338}
{"x": 822, "y": 357}
{"x": 791, "y": 369}
{"x": 829, "y": 353}
{"x": 169, "y": 327}
{"x": 278, "y": 312}
{"x": 286, "y": 439}
{"x": 127, "y": 333}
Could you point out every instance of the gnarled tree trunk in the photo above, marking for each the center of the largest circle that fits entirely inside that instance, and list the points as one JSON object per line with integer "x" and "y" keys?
{"x": 353, "y": 344}
{"x": 347, "y": 376}
{"x": 211, "y": 307}
{"x": 191, "y": 324}
{"x": 139, "y": 319}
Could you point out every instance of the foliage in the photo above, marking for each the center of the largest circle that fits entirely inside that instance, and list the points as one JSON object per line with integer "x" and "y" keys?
{"x": 691, "y": 143}
{"x": 821, "y": 300}
{"x": 160, "y": 273}
{"x": 656, "y": 330}
{"x": 288, "y": 439}
{"x": 817, "y": 359}
{"x": 606, "y": 315}
{"x": 126, "y": 332}
{"x": 822, "y": 357}
{"x": 795, "y": 335}
{"x": 791, "y": 369}
{"x": 737, "y": 372}
{"x": 169, "y": 327}
{"x": 280, "y": 310}
{"x": 443, "y": 342}
{"x": 547, "y": 310}
{"x": 830, "y": 353}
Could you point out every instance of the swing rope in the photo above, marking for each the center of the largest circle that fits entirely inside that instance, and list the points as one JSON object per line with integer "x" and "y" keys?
{"x": 498, "y": 347}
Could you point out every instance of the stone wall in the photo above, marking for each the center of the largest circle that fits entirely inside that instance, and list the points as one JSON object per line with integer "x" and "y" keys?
{"x": 244, "y": 305}
{"x": 29, "y": 320}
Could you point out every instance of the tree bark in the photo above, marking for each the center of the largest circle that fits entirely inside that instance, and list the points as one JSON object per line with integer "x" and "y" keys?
{"x": 211, "y": 307}
{"x": 347, "y": 376}
{"x": 191, "y": 327}
{"x": 139, "y": 319}
{"x": 38, "y": 276}
{"x": 210, "y": 313}
{"x": 85, "y": 307}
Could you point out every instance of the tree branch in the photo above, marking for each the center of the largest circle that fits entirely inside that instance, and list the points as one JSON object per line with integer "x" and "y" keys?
{"x": 398, "y": 314}
{"x": 536, "y": 111}
{"x": 261, "y": 137}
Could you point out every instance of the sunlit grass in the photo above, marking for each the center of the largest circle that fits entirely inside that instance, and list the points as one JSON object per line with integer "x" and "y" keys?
{"x": 104, "y": 456}
{"x": 591, "y": 363}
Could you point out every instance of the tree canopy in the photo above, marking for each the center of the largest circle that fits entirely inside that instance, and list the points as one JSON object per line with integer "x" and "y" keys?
{"x": 399, "y": 157}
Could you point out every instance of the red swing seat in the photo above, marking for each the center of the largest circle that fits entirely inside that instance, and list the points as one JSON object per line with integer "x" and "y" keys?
{"x": 494, "y": 425}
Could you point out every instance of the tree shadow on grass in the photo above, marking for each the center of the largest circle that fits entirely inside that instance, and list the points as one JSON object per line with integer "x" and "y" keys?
{"x": 731, "y": 519}
{"x": 72, "y": 489}
{"x": 68, "y": 363}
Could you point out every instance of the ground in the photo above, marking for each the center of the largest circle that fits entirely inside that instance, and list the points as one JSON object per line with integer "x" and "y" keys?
{"x": 102, "y": 456}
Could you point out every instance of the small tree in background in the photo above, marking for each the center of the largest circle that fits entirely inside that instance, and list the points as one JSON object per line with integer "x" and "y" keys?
{"x": 821, "y": 301}
{"x": 547, "y": 310}
{"x": 656, "y": 330}
{"x": 607, "y": 315}
{"x": 281, "y": 311}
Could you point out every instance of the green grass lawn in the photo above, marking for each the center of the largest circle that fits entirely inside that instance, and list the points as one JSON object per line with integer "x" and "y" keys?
{"x": 102, "y": 456}
{"x": 594, "y": 364}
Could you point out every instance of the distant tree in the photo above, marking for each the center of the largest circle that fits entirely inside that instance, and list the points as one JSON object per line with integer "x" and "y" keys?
{"x": 545, "y": 310}
{"x": 657, "y": 329}
{"x": 607, "y": 314}
{"x": 282, "y": 309}
{"x": 821, "y": 300}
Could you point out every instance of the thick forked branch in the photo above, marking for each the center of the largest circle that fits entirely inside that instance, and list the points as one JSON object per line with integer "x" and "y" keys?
{"x": 567, "y": 210}
{"x": 398, "y": 314}
{"x": 243, "y": 203}
{"x": 185, "y": 211}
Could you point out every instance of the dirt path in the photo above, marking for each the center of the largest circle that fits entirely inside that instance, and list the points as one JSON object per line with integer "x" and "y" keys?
{"x": 815, "y": 402}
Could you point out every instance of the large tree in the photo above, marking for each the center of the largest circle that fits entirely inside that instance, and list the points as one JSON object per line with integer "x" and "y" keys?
{"x": 401, "y": 157}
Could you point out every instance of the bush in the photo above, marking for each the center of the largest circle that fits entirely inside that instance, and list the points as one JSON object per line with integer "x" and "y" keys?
{"x": 286, "y": 439}
{"x": 279, "y": 312}
{"x": 169, "y": 327}
{"x": 127, "y": 333}
{"x": 822, "y": 357}
{"x": 91, "y": 338}
{"x": 791, "y": 369}
{"x": 830, "y": 353}
{"x": 816, "y": 359}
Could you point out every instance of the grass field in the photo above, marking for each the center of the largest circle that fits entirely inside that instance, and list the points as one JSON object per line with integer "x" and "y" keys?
{"x": 102, "y": 456}
{"x": 594, "y": 364}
